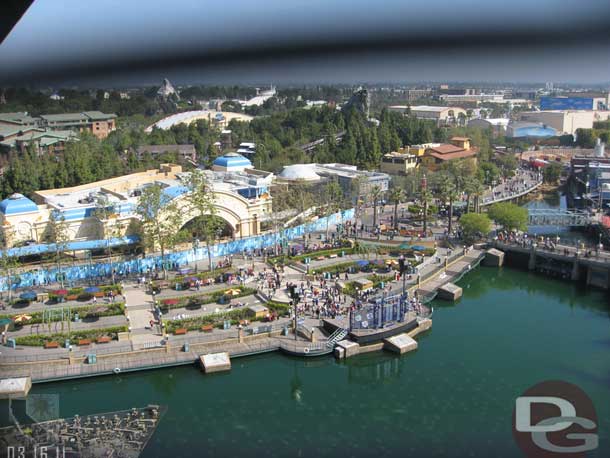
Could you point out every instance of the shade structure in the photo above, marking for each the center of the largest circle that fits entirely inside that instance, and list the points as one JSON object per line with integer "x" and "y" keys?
{"x": 5, "y": 321}
{"x": 418, "y": 247}
{"x": 92, "y": 289}
{"x": 404, "y": 246}
{"x": 28, "y": 295}
{"x": 362, "y": 263}
{"x": 22, "y": 318}
{"x": 233, "y": 292}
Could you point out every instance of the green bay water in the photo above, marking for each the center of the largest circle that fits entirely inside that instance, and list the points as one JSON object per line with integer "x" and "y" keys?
{"x": 453, "y": 397}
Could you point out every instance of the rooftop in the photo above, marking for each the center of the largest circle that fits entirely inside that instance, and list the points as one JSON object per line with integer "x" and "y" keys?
{"x": 17, "y": 204}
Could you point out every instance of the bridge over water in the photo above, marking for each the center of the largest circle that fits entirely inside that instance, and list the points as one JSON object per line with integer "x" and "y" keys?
{"x": 558, "y": 217}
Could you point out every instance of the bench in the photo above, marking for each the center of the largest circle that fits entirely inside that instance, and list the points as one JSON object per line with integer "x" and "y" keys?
{"x": 180, "y": 331}
{"x": 320, "y": 258}
{"x": 244, "y": 322}
{"x": 103, "y": 339}
{"x": 332, "y": 256}
{"x": 207, "y": 328}
{"x": 83, "y": 342}
{"x": 51, "y": 345}
{"x": 71, "y": 297}
{"x": 99, "y": 294}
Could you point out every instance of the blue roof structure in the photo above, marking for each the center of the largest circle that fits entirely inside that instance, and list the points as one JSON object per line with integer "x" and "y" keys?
{"x": 230, "y": 160}
{"x": 16, "y": 204}
{"x": 171, "y": 192}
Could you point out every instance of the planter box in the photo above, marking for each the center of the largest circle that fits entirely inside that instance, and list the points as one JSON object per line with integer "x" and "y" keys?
{"x": 104, "y": 339}
{"x": 180, "y": 331}
{"x": 51, "y": 345}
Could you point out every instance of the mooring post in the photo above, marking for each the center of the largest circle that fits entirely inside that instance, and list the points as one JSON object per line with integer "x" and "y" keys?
{"x": 531, "y": 265}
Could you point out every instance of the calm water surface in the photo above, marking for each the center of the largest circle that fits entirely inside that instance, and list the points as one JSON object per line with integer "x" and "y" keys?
{"x": 453, "y": 397}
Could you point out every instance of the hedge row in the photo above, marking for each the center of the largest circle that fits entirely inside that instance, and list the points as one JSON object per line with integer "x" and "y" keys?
{"x": 40, "y": 339}
{"x": 113, "y": 309}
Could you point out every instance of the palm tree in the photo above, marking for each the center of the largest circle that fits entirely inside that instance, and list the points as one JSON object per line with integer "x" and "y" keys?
{"x": 477, "y": 191}
{"x": 396, "y": 196}
{"x": 376, "y": 194}
{"x": 426, "y": 197}
{"x": 449, "y": 192}
{"x": 468, "y": 189}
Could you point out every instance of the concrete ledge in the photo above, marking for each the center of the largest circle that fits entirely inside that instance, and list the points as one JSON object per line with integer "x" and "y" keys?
{"x": 423, "y": 326}
{"x": 17, "y": 387}
{"x": 450, "y": 292}
{"x": 348, "y": 348}
{"x": 215, "y": 362}
{"x": 493, "y": 258}
{"x": 400, "y": 344}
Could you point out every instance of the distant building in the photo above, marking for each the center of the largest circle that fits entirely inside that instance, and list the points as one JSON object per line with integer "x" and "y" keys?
{"x": 576, "y": 102}
{"x": 186, "y": 152}
{"x": 18, "y": 119}
{"x": 231, "y": 162}
{"x": 417, "y": 94}
{"x": 247, "y": 149}
{"x": 529, "y": 129}
{"x": 498, "y": 125}
{"x": 458, "y": 150}
{"x": 42, "y": 140}
{"x": 98, "y": 123}
{"x": 441, "y": 115}
{"x": 346, "y": 175}
{"x": 563, "y": 121}
{"x": 398, "y": 162}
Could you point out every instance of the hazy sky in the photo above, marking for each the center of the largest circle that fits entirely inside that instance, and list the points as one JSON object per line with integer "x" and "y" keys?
{"x": 112, "y": 35}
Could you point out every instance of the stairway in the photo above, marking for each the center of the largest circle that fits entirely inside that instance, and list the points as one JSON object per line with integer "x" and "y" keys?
{"x": 336, "y": 336}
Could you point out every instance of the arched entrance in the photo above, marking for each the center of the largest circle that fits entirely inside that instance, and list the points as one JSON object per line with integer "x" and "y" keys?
{"x": 200, "y": 226}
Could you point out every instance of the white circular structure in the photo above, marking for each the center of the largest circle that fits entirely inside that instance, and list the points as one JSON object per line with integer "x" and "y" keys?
{"x": 299, "y": 172}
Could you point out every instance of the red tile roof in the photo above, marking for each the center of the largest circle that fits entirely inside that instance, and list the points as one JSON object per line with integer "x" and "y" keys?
{"x": 445, "y": 149}
{"x": 462, "y": 153}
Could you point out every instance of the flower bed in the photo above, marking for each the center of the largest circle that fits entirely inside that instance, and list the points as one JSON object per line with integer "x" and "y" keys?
{"x": 113, "y": 309}
{"x": 201, "y": 299}
{"x": 93, "y": 334}
{"x": 215, "y": 319}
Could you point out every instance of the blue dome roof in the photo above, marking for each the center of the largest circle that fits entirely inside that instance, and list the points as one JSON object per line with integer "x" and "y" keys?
{"x": 232, "y": 160}
{"x": 17, "y": 203}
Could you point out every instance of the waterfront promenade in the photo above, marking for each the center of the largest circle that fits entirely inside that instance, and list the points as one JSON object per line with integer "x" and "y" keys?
{"x": 148, "y": 349}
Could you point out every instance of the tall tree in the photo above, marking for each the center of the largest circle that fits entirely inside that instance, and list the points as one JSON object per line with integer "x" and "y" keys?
{"x": 396, "y": 197}
{"x": 160, "y": 220}
{"x": 376, "y": 193}
{"x": 57, "y": 233}
{"x": 332, "y": 196}
{"x": 201, "y": 203}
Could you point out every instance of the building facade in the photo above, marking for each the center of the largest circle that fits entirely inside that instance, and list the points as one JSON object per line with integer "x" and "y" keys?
{"x": 242, "y": 201}
{"x": 458, "y": 150}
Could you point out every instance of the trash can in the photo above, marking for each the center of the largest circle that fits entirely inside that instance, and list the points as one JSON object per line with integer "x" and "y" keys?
{"x": 185, "y": 347}
{"x": 11, "y": 343}
{"x": 342, "y": 253}
{"x": 226, "y": 324}
{"x": 178, "y": 287}
{"x": 67, "y": 343}
{"x": 76, "y": 318}
{"x": 91, "y": 359}
{"x": 285, "y": 331}
{"x": 382, "y": 284}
